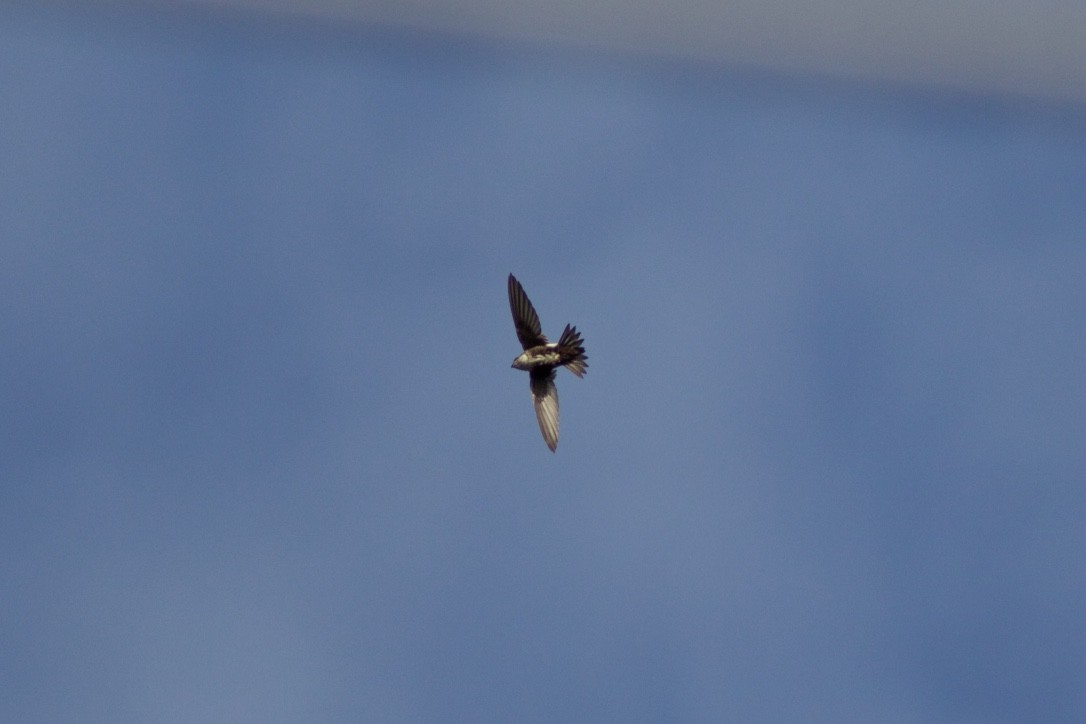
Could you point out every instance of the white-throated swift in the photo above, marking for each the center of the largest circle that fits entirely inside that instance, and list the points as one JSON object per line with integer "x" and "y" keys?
{"x": 541, "y": 358}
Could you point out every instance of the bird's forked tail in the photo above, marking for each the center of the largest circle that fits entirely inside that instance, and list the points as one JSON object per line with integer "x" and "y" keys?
{"x": 571, "y": 350}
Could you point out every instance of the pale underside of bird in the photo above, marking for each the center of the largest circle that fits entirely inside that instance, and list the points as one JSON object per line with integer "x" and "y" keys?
{"x": 541, "y": 359}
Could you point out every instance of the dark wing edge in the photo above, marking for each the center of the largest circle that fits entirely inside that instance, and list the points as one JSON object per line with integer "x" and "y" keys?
{"x": 529, "y": 330}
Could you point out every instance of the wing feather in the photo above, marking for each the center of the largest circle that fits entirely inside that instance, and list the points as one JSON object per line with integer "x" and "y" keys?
{"x": 529, "y": 330}
{"x": 545, "y": 399}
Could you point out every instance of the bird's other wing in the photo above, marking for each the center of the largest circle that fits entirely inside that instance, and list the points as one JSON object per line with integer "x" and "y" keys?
{"x": 545, "y": 399}
{"x": 529, "y": 331}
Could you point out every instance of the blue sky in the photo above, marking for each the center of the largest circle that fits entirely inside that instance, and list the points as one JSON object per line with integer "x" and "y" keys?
{"x": 264, "y": 458}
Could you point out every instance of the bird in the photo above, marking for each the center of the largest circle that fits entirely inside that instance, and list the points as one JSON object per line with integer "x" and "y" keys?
{"x": 540, "y": 359}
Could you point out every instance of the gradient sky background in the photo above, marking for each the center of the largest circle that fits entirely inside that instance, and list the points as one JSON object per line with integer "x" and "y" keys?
{"x": 264, "y": 459}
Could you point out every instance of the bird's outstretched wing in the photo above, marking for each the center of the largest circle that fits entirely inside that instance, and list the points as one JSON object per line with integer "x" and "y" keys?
{"x": 545, "y": 399}
{"x": 529, "y": 331}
